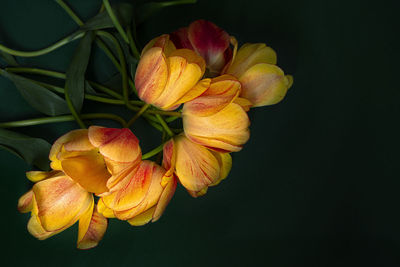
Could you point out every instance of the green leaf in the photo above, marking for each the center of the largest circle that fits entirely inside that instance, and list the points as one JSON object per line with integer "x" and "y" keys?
{"x": 38, "y": 96}
{"x": 34, "y": 151}
{"x": 75, "y": 75}
{"x": 124, "y": 12}
{"x": 143, "y": 12}
{"x": 9, "y": 59}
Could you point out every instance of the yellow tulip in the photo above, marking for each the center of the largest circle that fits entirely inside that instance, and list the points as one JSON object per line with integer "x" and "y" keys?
{"x": 97, "y": 157}
{"x": 263, "y": 83}
{"x": 167, "y": 77}
{"x": 196, "y": 167}
{"x": 143, "y": 196}
{"x": 56, "y": 202}
{"x": 217, "y": 119}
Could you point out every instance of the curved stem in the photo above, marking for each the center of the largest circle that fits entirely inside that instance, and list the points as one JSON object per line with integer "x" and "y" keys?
{"x": 64, "y": 41}
{"x": 115, "y": 20}
{"x": 153, "y": 152}
{"x": 70, "y": 12}
{"x": 72, "y": 109}
{"x": 132, "y": 44}
{"x": 165, "y": 125}
{"x": 137, "y": 115}
{"x": 64, "y": 118}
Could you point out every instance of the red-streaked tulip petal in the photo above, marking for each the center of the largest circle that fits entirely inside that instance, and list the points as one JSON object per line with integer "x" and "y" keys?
{"x": 162, "y": 42}
{"x": 181, "y": 39}
{"x": 196, "y": 91}
{"x": 36, "y": 229}
{"x": 185, "y": 70}
{"x": 264, "y": 84}
{"x": 244, "y": 103}
{"x": 210, "y": 42}
{"x": 165, "y": 197}
{"x": 196, "y": 167}
{"x": 133, "y": 193}
{"x": 36, "y": 176}
{"x": 142, "y": 218}
{"x": 25, "y": 202}
{"x": 225, "y": 163}
{"x": 89, "y": 170}
{"x": 116, "y": 144}
{"x": 250, "y": 55}
{"x": 92, "y": 229}
{"x": 169, "y": 158}
{"x": 60, "y": 201}
{"x": 226, "y": 130}
{"x": 151, "y": 75}
{"x": 222, "y": 91}
{"x": 59, "y": 143}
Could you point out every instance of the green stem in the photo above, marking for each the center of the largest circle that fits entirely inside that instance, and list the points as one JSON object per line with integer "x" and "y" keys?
{"x": 132, "y": 44}
{"x": 115, "y": 20}
{"x": 64, "y": 118}
{"x": 70, "y": 12}
{"x": 72, "y": 108}
{"x": 164, "y": 125}
{"x": 153, "y": 152}
{"x": 177, "y": 2}
{"x": 76, "y": 35}
{"x": 137, "y": 115}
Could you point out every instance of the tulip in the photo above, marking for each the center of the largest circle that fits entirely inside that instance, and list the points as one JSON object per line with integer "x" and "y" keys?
{"x": 167, "y": 77}
{"x": 95, "y": 158}
{"x": 56, "y": 202}
{"x": 196, "y": 167}
{"x": 145, "y": 193}
{"x": 263, "y": 83}
{"x": 207, "y": 40}
{"x": 217, "y": 118}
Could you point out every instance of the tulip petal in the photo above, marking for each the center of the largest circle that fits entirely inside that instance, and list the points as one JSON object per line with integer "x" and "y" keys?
{"x": 250, "y": 55}
{"x": 60, "y": 201}
{"x": 25, "y": 202}
{"x": 151, "y": 75}
{"x": 84, "y": 221}
{"x": 165, "y": 197}
{"x": 70, "y": 136}
{"x": 142, "y": 218}
{"x": 185, "y": 70}
{"x": 116, "y": 144}
{"x": 36, "y": 229}
{"x": 162, "y": 42}
{"x": 92, "y": 229}
{"x": 36, "y": 176}
{"x": 209, "y": 41}
{"x": 225, "y": 131}
{"x": 196, "y": 91}
{"x": 196, "y": 167}
{"x": 264, "y": 84}
{"x": 222, "y": 91}
{"x": 244, "y": 103}
{"x": 103, "y": 209}
{"x": 89, "y": 170}
{"x": 169, "y": 158}
{"x": 181, "y": 39}
{"x": 225, "y": 163}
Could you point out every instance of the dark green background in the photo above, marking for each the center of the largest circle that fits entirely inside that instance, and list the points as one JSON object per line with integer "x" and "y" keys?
{"x": 316, "y": 185}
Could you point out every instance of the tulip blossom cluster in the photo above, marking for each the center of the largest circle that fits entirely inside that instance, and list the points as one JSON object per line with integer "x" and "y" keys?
{"x": 98, "y": 173}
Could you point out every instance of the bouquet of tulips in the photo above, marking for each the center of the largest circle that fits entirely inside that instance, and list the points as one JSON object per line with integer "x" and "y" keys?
{"x": 196, "y": 73}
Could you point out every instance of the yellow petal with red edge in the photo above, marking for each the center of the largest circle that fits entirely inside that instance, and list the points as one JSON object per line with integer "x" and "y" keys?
{"x": 70, "y": 136}
{"x": 223, "y": 90}
{"x": 226, "y": 130}
{"x": 225, "y": 163}
{"x": 116, "y": 144}
{"x": 196, "y": 167}
{"x": 142, "y": 218}
{"x": 264, "y": 84}
{"x": 185, "y": 69}
{"x": 103, "y": 209}
{"x": 165, "y": 197}
{"x": 60, "y": 201}
{"x": 133, "y": 193}
{"x": 151, "y": 75}
{"x": 92, "y": 229}
{"x": 152, "y": 196}
{"x": 162, "y": 42}
{"x": 89, "y": 170}
{"x": 25, "y": 202}
{"x": 36, "y": 176}
{"x": 196, "y": 91}
{"x": 250, "y": 55}
{"x": 169, "y": 158}
{"x": 244, "y": 103}
{"x": 120, "y": 180}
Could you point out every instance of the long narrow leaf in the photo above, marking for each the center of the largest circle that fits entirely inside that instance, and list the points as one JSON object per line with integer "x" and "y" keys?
{"x": 34, "y": 151}
{"x": 8, "y": 59}
{"x": 75, "y": 75}
{"x": 37, "y": 96}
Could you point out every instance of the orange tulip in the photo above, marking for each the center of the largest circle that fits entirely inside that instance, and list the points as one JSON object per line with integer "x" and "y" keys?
{"x": 95, "y": 158}
{"x": 196, "y": 167}
{"x": 263, "y": 83}
{"x": 207, "y": 40}
{"x": 143, "y": 196}
{"x": 167, "y": 77}
{"x": 56, "y": 202}
{"x": 217, "y": 118}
